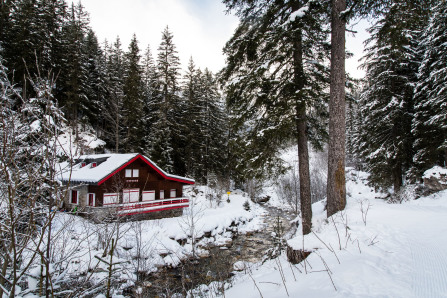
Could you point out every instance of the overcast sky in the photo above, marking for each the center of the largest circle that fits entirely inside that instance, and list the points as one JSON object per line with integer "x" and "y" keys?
{"x": 200, "y": 28}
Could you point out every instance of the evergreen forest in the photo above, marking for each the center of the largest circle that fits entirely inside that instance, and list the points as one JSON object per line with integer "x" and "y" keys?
{"x": 197, "y": 123}
{"x": 284, "y": 85}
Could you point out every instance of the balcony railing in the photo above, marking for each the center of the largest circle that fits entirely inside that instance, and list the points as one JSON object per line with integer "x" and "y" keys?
{"x": 150, "y": 206}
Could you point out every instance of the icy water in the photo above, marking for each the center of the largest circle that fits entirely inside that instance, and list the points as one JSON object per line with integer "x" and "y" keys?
{"x": 218, "y": 267}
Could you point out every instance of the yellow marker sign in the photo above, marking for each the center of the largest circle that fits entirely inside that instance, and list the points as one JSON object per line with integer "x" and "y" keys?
{"x": 228, "y": 192}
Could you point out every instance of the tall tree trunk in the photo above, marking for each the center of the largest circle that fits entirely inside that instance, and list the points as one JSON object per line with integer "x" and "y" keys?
{"x": 117, "y": 129}
{"x": 336, "y": 184}
{"x": 301, "y": 132}
{"x": 397, "y": 177}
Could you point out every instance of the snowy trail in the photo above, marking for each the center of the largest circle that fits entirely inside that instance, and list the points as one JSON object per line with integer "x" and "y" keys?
{"x": 429, "y": 255}
{"x": 430, "y": 268}
{"x": 422, "y": 232}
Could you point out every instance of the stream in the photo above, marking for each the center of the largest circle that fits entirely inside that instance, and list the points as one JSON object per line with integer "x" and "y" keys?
{"x": 218, "y": 267}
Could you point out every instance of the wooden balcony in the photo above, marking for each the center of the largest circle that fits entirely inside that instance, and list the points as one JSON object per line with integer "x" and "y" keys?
{"x": 150, "y": 206}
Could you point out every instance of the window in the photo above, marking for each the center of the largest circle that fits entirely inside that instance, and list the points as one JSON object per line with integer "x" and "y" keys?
{"x": 173, "y": 193}
{"x": 111, "y": 198}
{"x": 132, "y": 173}
{"x": 131, "y": 195}
{"x": 162, "y": 194}
{"x": 149, "y": 195}
{"x": 93, "y": 164}
{"x": 74, "y": 197}
{"x": 91, "y": 199}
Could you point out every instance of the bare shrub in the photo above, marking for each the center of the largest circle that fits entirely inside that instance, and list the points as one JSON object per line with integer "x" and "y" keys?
{"x": 318, "y": 175}
{"x": 217, "y": 186}
{"x": 288, "y": 189}
{"x": 406, "y": 193}
{"x": 288, "y": 185}
{"x": 253, "y": 187}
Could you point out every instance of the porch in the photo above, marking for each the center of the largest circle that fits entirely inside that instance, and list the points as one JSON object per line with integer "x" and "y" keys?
{"x": 148, "y": 206}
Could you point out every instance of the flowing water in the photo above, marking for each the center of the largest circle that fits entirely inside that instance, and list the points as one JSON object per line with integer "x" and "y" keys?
{"x": 250, "y": 247}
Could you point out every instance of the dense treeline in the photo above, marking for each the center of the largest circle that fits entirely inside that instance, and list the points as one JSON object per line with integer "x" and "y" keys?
{"x": 276, "y": 82}
{"x": 133, "y": 101}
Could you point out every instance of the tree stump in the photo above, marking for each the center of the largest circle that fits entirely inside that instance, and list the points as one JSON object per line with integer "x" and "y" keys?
{"x": 296, "y": 256}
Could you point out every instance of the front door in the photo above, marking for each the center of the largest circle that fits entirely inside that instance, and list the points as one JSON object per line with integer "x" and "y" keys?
{"x": 91, "y": 199}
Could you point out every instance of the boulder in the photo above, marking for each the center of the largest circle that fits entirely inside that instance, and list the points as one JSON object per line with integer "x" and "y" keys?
{"x": 203, "y": 254}
{"x": 435, "y": 179}
{"x": 261, "y": 200}
{"x": 240, "y": 266}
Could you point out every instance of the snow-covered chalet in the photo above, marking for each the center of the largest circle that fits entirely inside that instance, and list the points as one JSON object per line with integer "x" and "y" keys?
{"x": 124, "y": 184}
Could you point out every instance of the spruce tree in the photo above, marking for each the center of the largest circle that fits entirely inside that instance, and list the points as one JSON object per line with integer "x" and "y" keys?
{"x": 429, "y": 125}
{"x": 214, "y": 126}
{"x": 336, "y": 184}
{"x": 165, "y": 135}
{"x": 133, "y": 100}
{"x": 30, "y": 39}
{"x": 151, "y": 97}
{"x": 193, "y": 121}
{"x": 112, "y": 107}
{"x": 387, "y": 101}
{"x": 275, "y": 75}
{"x": 95, "y": 83}
{"x": 72, "y": 90}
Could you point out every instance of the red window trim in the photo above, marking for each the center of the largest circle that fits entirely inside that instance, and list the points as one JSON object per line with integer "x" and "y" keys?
{"x": 71, "y": 197}
{"x": 92, "y": 204}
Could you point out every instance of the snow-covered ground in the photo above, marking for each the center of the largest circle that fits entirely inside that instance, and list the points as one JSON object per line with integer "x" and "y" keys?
{"x": 79, "y": 244}
{"x": 372, "y": 249}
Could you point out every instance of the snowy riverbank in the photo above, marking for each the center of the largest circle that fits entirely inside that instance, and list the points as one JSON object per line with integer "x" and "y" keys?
{"x": 372, "y": 249}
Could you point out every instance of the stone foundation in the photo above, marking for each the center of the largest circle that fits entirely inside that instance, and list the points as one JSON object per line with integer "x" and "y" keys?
{"x": 156, "y": 214}
{"x": 99, "y": 215}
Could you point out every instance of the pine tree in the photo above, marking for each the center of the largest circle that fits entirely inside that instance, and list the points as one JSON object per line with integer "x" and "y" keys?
{"x": 429, "y": 125}
{"x": 72, "y": 90}
{"x": 165, "y": 135}
{"x": 193, "y": 121}
{"x": 95, "y": 86}
{"x": 207, "y": 125}
{"x": 31, "y": 38}
{"x": 5, "y": 12}
{"x": 387, "y": 101}
{"x": 272, "y": 88}
{"x": 133, "y": 100}
{"x": 151, "y": 97}
{"x": 336, "y": 184}
{"x": 214, "y": 126}
{"x": 112, "y": 107}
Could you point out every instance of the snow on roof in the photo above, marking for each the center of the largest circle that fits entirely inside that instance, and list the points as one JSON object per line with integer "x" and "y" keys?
{"x": 107, "y": 168}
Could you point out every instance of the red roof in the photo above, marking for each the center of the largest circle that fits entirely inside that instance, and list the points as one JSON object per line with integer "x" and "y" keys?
{"x": 153, "y": 166}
